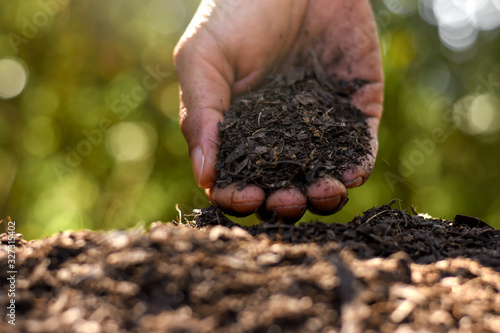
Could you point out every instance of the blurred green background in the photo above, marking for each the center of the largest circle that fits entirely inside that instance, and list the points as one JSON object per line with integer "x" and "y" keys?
{"x": 89, "y": 135}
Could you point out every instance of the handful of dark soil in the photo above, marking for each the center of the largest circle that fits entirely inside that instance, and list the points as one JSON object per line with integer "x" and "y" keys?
{"x": 294, "y": 130}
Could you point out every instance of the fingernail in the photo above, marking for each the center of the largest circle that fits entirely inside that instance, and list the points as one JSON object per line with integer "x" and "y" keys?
{"x": 290, "y": 213}
{"x": 355, "y": 183}
{"x": 326, "y": 204}
{"x": 246, "y": 208}
{"x": 198, "y": 161}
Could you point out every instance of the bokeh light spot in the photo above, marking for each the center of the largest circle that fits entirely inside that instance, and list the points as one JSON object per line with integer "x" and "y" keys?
{"x": 13, "y": 78}
{"x": 458, "y": 38}
{"x": 484, "y": 117}
{"x": 425, "y": 8}
{"x": 452, "y": 13}
{"x": 131, "y": 141}
{"x": 478, "y": 114}
{"x": 461, "y": 20}
{"x": 461, "y": 110}
{"x": 488, "y": 15}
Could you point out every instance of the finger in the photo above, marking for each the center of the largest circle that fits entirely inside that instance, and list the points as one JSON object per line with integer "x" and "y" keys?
{"x": 288, "y": 205}
{"x": 326, "y": 196}
{"x": 235, "y": 201}
{"x": 201, "y": 132}
{"x": 359, "y": 174}
{"x": 370, "y": 99}
{"x": 344, "y": 36}
{"x": 205, "y": 92}
{"x": 361, "y": 58}
{"x": 358, "y": 54}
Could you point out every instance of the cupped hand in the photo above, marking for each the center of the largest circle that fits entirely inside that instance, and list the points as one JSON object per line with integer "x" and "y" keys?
{"x": 231, "y": 45}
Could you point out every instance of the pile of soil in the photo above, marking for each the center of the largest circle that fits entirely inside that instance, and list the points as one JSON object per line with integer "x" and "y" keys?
{"x": 292, "y": 131}
{"x": 385, "y": 271}
{"x": 383, "y": 231}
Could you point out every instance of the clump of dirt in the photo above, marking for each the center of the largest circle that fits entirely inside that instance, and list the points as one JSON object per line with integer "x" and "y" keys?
{"x": 294, "y": 130}
{"x": 269, "y": 278}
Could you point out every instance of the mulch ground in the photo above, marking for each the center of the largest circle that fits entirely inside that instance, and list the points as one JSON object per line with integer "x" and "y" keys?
{"x": 386, "y": 271}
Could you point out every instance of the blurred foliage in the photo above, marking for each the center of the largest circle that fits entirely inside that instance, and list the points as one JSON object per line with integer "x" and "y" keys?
{"x": 93, "y": 141}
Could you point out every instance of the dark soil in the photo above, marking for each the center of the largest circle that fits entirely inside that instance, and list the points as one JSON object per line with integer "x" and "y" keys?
{"x": 385, "y": 271}
{"x": 292, "y": 131}
{"x": 383, "y": 231}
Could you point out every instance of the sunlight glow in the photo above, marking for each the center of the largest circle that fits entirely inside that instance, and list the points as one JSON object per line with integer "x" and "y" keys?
{"x": 460, "y": 21}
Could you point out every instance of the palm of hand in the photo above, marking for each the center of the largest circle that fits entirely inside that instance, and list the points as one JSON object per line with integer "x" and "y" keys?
{"x": 231, "y": 46}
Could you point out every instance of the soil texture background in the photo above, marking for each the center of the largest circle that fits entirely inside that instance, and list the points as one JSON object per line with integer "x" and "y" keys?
{"x": 386, "y": 271}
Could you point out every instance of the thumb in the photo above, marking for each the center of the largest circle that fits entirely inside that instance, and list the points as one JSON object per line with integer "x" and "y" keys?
{"x": 205, "y": 80}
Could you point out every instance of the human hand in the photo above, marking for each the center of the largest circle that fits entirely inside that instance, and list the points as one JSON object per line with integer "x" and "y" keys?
{"x": 231, "y": 45}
